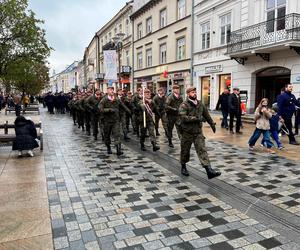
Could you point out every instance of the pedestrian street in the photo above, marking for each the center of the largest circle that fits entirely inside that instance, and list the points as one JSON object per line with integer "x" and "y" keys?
{"x": 139, "y": 200}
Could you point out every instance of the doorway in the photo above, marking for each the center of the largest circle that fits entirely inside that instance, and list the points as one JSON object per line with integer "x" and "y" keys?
{"x": 205, "y": 90}
{"x": 269, "y": 83}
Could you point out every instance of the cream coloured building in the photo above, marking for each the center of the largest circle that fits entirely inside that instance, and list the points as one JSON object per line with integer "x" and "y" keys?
{"x": 90, "y": 63}
{"x": 162, "y": 43}
{"x": 117, "y": 34}
{"x": 253, "y": 45}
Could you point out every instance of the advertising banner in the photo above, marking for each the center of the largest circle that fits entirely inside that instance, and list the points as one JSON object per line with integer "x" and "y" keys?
{"x": 110, "y": 65}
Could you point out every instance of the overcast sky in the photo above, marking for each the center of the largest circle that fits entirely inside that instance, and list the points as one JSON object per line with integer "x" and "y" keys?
{"x": 71, "y": 24}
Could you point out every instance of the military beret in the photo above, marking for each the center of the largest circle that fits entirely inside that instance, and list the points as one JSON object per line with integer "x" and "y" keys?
{"x": 147, "y": 91}
{"x": 175, "y": 87}
{"x": 110, "y": 87}
{"x": 188, "y": 90}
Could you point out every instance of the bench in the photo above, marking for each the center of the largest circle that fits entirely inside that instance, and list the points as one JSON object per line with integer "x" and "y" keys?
{"x": 28, "y": 109}
{"x": 7, "y": 138}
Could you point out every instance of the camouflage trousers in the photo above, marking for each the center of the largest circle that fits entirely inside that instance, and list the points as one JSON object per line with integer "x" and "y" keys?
{"x": 87, "y": 120}
{"x": 80, "y": 119}
{"x": 111, "y": 129}
{"x": 199, "y": 142}
{"x": 171, "y": 123}
{"x": 123, "y": 127}
{"x": 151, "y": 129}
{"x": 164, "y": 121}
{"x": 95, "y": 124}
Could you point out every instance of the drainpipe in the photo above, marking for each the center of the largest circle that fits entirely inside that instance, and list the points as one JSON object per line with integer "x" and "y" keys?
{"x": 192, "y": 45}
{"x": 132, "y": 54}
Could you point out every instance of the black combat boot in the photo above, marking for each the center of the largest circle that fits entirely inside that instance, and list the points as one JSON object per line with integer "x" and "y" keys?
{"x": 170, "y": 143}
{"x": 126, "y": 138}
{"x": 88, "y": 132}
{"x": 155, "y": 147}
{"x": 95, "y": 137}
{"x": 211, "y": 173}
{"x": 184, "y": 171}
{"x": 102, "y": 136}
{"x": 119, "y": 151}
{"x": 109, "y": 149}
{"x": 143, "y": 148}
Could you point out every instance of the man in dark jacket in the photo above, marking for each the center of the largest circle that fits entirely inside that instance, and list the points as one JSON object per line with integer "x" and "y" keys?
{"x": 223, "y": 102}
{"x": 287, "y": 104}
{"x": 234, "y": 105}
{"x": 192, "y": 112}
{"x": 160, "y": 114}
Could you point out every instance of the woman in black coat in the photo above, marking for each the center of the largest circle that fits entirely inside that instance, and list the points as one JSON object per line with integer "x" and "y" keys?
{"x": 26, "y": 136}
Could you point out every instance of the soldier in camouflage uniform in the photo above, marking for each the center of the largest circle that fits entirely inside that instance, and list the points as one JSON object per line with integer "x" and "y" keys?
{"x": 87, "y": 113}
{"x": 110, "y": 109}
{"x": 192, "y": 112}
{"x": 71, "y": 105}
{"x": 92, "y": 106}
{"x": 129, "y": 105}
{"x": 172, "y": 107}
{"x": 122, "y": 95}
{"x": 160, "y": 113}
{"x": 149, "y": 108}
{"x": 137, "y": 115}
{"x": 78, "y": 104}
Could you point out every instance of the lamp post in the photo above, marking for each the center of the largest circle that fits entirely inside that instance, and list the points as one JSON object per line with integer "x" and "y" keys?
{"x": 118, "y": 47}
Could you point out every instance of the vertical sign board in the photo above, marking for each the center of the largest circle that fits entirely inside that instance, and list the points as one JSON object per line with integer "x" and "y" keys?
{"x": 110, "y": 65}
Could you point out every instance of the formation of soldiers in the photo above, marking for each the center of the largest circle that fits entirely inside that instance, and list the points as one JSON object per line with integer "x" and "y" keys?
{"x": 110, "y": 115}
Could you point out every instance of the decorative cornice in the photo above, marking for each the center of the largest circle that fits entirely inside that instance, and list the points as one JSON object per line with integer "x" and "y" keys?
{"x": 144, "y": 8}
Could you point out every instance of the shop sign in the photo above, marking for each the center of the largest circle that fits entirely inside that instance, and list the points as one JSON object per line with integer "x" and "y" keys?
{"x": 296, "y": 79}
{"x": 213, "y": 69}
{"x": 161, "y": 69}
{"x": 178, "y": 75}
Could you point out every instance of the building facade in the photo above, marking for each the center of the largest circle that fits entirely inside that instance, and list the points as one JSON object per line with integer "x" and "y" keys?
{"x": 91, "y": 64}
{"x": 162, "y": 43}
{"x": 117, "y": 35}
{"x": 253, "y": 45}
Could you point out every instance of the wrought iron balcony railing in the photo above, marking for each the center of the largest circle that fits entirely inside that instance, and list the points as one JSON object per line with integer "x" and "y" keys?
{"x": 271, "y": 32}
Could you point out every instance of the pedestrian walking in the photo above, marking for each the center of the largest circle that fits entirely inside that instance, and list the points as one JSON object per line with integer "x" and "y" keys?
{"x": 172, "y": 110}
{"x": 234, "y": 104}
{"x": 287, "y": 104}
{"x": 192, "y": 112}
{"x": 262, "y": 118}
{"x": 224, "y": 103}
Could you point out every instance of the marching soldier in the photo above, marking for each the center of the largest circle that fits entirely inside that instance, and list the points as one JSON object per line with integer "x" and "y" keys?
{"x": 172, "y": 107}
{"x": 160, "y": 103}
{"x": 123, "y": 111}
{"x": 192, "y": 112}
{"x": 148, "y": 107}
{"x": 129, "y": 105}
{"x": 71, "y": 106}
{"x": 137, "y": 114}
{"x": 78, "y": 104}
{"x": 110, "y": 109}
{"x": 87, "y": 113}
{"x": 92, "y": 103}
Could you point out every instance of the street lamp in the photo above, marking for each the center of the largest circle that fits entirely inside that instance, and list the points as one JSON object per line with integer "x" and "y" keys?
{"x": 118, "y": 46}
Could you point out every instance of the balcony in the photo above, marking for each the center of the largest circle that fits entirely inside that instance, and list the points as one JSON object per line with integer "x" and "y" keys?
{"x": 265, "y": 37}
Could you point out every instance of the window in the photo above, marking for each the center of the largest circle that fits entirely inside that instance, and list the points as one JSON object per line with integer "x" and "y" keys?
{"x": 163, "y": 18}
{"x": 149, "y": 57}
{"x": 205, "y": 35}
{"x": 149, "y": 25}
{"x": 181, "y": 48}
{"x": 127, "y": 58}
{"x": 115, "y": 31}
{"x": 225, "y": 22}
{"x": 106, "y": 39}
{"x": 120, "y": 28}
{"x": 109, "y": 36}
{"x": 163, "y": 53}
{"x": 139, "y": 60}
{"x": 139, "y": 31}
{"x": 181, "y": 9}
{"x": 276, "y": 10}
{"x": 127, "y": 27}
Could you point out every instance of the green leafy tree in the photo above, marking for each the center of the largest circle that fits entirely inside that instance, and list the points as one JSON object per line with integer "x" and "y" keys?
{"x": 22, "y": 44}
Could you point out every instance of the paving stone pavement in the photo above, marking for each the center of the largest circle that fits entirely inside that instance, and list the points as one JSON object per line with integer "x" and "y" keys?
{"x": 130, "y": 202}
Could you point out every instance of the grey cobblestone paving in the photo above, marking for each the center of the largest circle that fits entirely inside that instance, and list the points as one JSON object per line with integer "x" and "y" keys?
{"x": 105, "y": 202}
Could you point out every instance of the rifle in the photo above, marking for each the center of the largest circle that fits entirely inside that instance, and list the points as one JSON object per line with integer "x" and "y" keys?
{"x": 144, "y": 111}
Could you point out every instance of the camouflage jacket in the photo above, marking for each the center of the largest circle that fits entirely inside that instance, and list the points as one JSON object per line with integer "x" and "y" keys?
{"x": 110, "y": 110}
{"x": 172, "y": 105}
{"x": 191, "y": 117}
